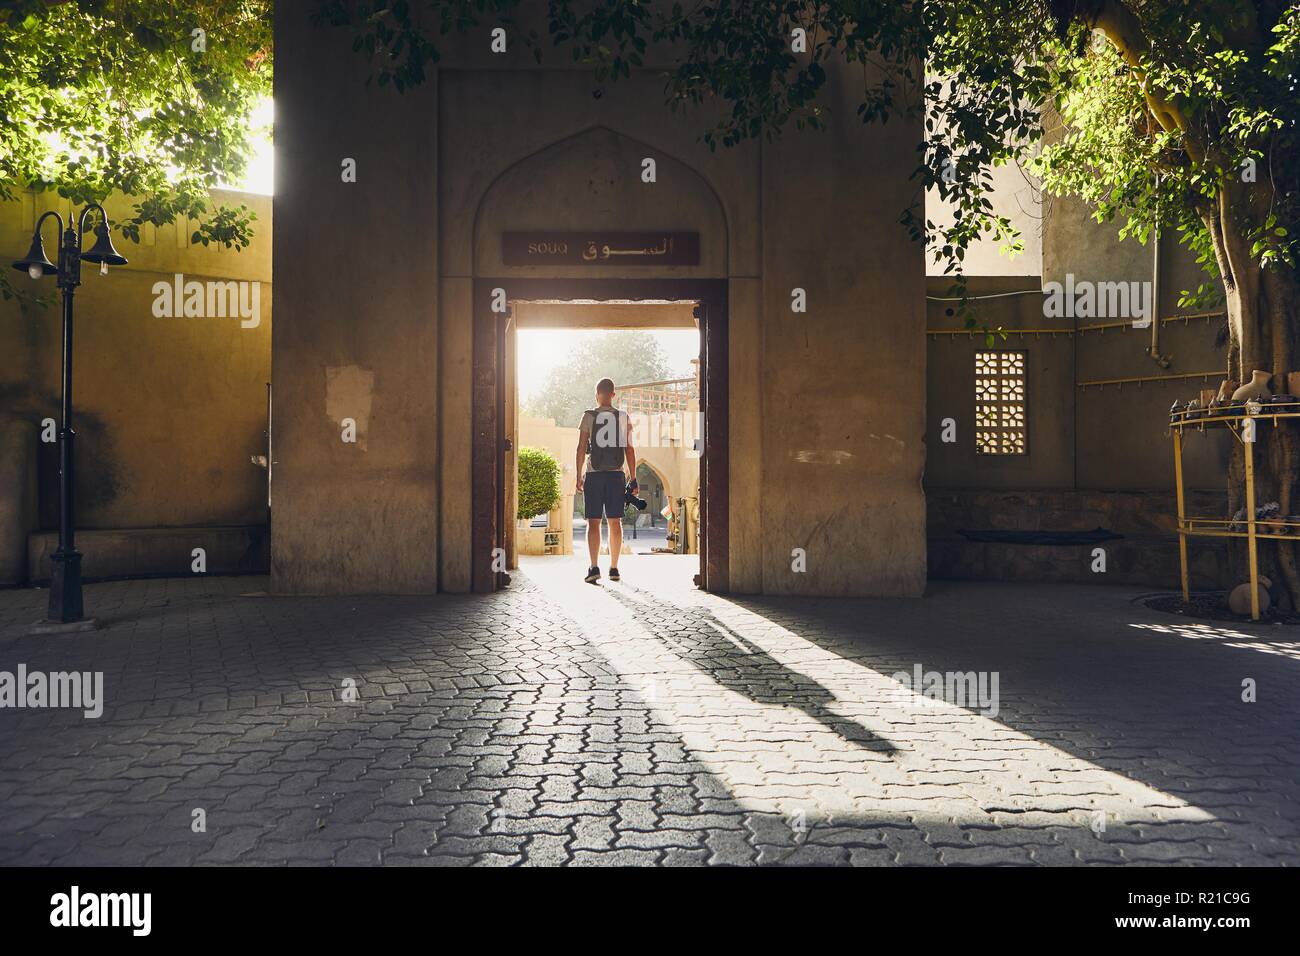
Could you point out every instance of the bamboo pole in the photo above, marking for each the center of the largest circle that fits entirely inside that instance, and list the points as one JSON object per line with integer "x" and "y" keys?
{"x": 1182, "y": 534}
{"x": 1250, "y": 523}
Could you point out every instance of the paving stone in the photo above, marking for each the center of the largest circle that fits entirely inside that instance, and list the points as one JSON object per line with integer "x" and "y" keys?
{"x": 616, "y": 858}
{"x": 729, "y": 848}
{"x": 650, "y": 839}
{"x": 805, "y": 854}
{"x": 547, "y": 850}
{"x": 870, "y": 856}
{"x": 593, "y": 833}
{"x": 362, "y": 853}
{"x": 229, "y": 847}
{"x": 675, "y": 856}
{"x": 985, "y": 856}
{"x": 557, "y": 723}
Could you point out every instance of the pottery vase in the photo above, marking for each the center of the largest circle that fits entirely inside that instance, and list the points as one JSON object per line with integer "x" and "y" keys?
{"x": 1256, "y": 388}
{"x": 1239, "y": 599}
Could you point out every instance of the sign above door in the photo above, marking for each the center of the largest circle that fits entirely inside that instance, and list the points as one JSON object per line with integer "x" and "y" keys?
{"x": 601, "y": 248}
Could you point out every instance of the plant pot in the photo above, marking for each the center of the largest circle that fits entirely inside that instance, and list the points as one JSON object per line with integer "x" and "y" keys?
{"x": 1239, "y": 599}
{"x": 1256, "y": 388}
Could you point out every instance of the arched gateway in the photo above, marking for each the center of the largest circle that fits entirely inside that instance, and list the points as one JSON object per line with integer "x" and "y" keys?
{"x": 577, "y": 222}
{"x": 495, "y": 174}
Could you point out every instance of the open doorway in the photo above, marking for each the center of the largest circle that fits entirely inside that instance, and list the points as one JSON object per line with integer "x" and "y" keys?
{"x": 651, "y": 353}
{"x": 679, "y": 419}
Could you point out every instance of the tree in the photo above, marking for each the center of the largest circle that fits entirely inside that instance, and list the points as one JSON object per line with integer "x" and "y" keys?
{"x": 1183, "y": 116}
{"x": 150, "y": 98}
{"x": 539, "y": 483}
{"x": 1182, "y": 112}
{"x": 627, "y": 357}
{"x": 630, "y": 514}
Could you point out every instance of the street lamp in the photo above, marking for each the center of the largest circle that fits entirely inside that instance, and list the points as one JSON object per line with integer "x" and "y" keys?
{"x": 65, "y": 583}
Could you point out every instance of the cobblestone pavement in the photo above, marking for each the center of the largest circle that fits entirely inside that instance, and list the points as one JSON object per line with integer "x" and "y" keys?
{"x": 647, "y": 723}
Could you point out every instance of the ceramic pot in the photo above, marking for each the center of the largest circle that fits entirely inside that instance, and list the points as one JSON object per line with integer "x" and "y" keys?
{"x": 1256, "y": 388}
{"x": 1293, "y": 383}
{"x": 1224, "y": 396}
{"x": 1239, "y": 599}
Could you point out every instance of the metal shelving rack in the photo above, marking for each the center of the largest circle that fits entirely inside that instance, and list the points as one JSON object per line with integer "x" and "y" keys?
{"x": 1235, "y": 419}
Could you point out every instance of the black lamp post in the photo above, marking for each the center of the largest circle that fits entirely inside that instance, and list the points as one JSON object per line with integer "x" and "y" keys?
{"x": 65, "y": 583}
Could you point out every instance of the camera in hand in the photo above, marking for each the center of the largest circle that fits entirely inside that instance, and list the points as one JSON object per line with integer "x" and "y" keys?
{"x": 629, "y": 496}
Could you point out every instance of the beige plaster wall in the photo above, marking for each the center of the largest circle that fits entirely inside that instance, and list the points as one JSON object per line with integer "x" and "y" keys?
{"x": 843, "y": 385}
{"x": 358, "y": 336}
{"x": 168, "y": 410}
{"x": 605, "y": 315}
{"x": 1121, "y": 431}
{"x": 951, "y": 389}
{"x": 1087, "y": 437}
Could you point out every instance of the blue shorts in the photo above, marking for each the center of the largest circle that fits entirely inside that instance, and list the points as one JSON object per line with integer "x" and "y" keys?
{"x": 602, "y": 493}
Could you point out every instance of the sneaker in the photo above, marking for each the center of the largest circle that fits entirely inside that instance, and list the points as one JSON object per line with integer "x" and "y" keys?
{"x": 593, "y": 574}
{"x": 614, "y": 575}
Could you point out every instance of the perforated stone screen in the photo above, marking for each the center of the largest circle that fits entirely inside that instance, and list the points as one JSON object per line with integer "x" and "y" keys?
{"x": 1000, "y": 404}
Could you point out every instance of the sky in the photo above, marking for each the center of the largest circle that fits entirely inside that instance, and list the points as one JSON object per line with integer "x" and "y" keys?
{"x": 260, "y": 177}
{"x": 547, "y": 348}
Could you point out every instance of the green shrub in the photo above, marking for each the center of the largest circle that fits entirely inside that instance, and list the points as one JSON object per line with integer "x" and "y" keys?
{"x": 539, "y": 482}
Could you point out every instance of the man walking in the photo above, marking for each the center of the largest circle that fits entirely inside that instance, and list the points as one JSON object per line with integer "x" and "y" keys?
{"x": 604, "y": 444}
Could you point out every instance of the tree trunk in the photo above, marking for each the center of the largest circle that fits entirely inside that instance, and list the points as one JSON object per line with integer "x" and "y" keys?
{"x": 1262, "y": 313}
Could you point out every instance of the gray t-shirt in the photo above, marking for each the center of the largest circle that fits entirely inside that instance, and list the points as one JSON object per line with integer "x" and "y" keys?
{"x": 605, "y": 435}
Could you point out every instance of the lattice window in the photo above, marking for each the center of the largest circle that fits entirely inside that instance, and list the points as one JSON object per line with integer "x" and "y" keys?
{"x": 1000, "y": 403}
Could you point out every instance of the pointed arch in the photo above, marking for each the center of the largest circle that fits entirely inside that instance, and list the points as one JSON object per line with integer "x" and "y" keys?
{"x": 591, "y": 179}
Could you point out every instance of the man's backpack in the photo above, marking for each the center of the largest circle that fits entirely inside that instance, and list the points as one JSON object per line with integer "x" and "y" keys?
{"x": 607, "y": 443}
